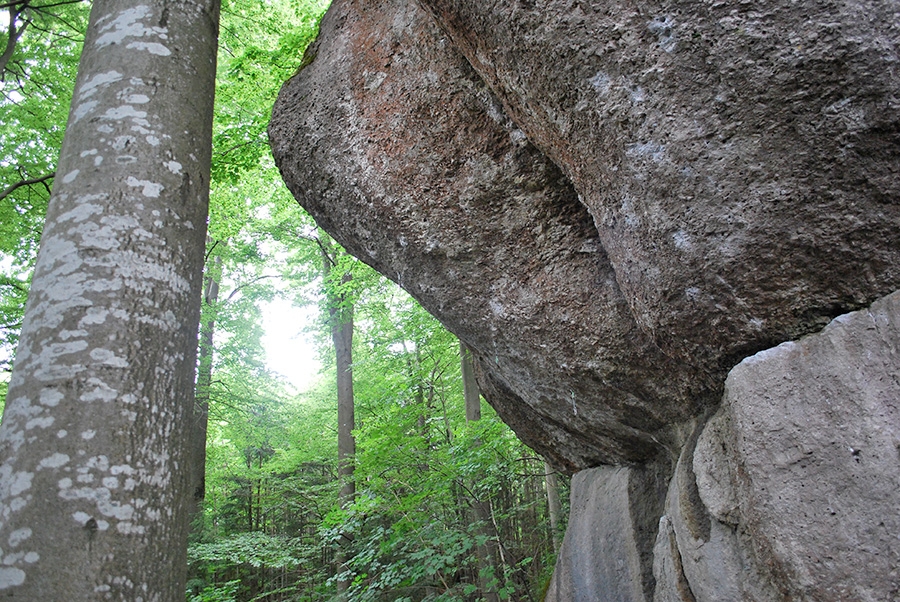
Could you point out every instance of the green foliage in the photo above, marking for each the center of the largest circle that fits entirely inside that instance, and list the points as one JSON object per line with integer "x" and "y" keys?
{"x": 35, "y": 93}
{"x": 260, "y": 45}
{"x": 225, "y": 592}
{"x": 254, "y": 549}
{"x": 420, "y": 471}
{"x": 271, "y": 521}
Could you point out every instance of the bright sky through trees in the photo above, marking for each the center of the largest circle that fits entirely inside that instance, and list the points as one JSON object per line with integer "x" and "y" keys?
{"x": 287, "y": 342}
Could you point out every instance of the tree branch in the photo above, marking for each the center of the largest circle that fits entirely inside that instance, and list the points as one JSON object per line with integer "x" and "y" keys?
{"x": 38, "y": 180}
{"x": 13, "y": 284}
{"x": 246, "y": 284}
{"x": 43, "y": 7}
{"x": 14, "y": 34}
{"x": 325, "y": 253}
{"x": 13, "y": 4}
{"x": 205, "y": 259}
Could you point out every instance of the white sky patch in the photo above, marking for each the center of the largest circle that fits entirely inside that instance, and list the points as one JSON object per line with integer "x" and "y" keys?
{"x": 290, "y": 350}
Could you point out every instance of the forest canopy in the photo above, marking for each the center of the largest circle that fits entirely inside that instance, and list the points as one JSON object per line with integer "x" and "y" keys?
{"x": 445, "y": 507}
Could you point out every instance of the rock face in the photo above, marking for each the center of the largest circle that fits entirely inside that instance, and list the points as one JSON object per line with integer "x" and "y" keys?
{"x": 789, "y": 492}
{"x": 401, "y": 152}
{"x": 608, "y": 550}
{"x": 740, "y": 161}
{"x": 809, "y": 438}
{"x": 613, "y": 205}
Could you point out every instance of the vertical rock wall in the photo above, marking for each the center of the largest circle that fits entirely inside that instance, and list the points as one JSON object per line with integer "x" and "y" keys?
{"x": 790, "y": 491}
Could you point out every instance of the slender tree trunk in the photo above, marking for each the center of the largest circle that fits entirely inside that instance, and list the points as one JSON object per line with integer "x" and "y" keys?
{"x": 481, "y": 509}
{"x": 340, "y": 313}
{"x": 342, "y": 335}
{"x": 13, "y": 34}
{"x": 554, "y": 507}
{"x": 200, "y": 420}
{"x": 470, "y": 387}
{"x": 93, "y": 484}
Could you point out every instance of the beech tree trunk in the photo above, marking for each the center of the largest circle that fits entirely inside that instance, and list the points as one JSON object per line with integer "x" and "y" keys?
{"x": 554, "y": 506}
{"x": 470, "y": 388}
{"x": 340, "y": 314}
{"x": 200, "y": 419}
{"x": 488, "y": 573}
{"x": 342, "y": 335}
{"x": 93, "y": 443}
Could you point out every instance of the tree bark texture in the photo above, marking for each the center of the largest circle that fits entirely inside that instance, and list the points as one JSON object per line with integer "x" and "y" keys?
{"x": 488, "y": 574}
{"x": 342, "y": 335}
{"x": 200, "y": 418}
{"x": 93, "y": 443}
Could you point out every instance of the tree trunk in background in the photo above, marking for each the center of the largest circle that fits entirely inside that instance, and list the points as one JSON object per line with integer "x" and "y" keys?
{"x": 93, "y": 485}
{"x": 342, "y": 335}
{"x": 481, "y": 509}
{"x": 340, "y": 314}
{"x": 470, "y": 387}
{"x": 554, "y": 507}
{"x": 200, "y": 421}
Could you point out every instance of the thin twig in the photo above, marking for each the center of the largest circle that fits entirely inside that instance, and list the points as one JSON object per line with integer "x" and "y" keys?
{"x": 246, "y": 284}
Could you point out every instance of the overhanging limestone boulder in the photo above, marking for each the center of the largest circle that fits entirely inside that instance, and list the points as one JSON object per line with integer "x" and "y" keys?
{"x": 741, "y": 160}
{"x": 613, "y": 205}
{"x": 399, "y": 150}
{"x": 716, "y": 180}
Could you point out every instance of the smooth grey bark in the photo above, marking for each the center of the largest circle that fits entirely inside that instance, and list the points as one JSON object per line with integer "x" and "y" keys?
{"x": 554, "y": 505}
{"x": 488, "y": 569}
{"x": 342, "y": 335}
{"x": 200, "y": 419}
{"x": 93, "y": 441}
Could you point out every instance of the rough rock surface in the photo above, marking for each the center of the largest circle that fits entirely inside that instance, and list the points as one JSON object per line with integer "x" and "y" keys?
{"x": 703, "y": 553}
{"x": 741, "y": 160}
{"x": 789, "y": 492}
{"x": 811, "y": 441}
{"x": 732, "y": 183}
{"x": 399, "y": 150}
{"x": 607, "y": 554}
{"x": 613, "y": 205}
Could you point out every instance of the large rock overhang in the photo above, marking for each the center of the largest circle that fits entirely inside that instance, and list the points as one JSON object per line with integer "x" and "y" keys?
{"x": 610, "y": 207}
